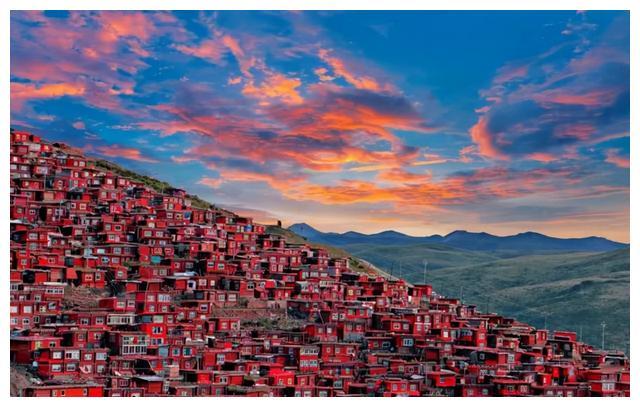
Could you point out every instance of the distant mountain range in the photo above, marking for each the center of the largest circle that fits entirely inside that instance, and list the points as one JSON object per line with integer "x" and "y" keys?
{"x": 461, "y": 239}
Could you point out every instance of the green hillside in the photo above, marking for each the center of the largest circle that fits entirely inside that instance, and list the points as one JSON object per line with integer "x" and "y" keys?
{"x": 409, "y": 260}
{"x": 576, "y": 291}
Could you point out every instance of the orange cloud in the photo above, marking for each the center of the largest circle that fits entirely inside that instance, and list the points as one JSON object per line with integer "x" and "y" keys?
{"x": 410, "y": 191}
{"x": 21, "y": 92}
{"x": 323, "y": 74}
{"x": 398, "y": 175}
{"x": 210, "y": 50}
{"x": 125, "y": 24}
{"x": 602, "y": 97}
{"x": 481, "y": 135}
{"x": 340, "y": 69}
{"x": 240, "y": 175}
{"x": 613, "y": 157}
{"x": 129, "y": 153}
{"x": 275, "y": 86}
{"x": 245, "y": 62}
{"x": 211, "y": 182}
{"x": 541, "y": 157}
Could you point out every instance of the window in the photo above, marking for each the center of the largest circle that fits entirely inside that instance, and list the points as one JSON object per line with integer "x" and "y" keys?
{"x": 72, "y": 354}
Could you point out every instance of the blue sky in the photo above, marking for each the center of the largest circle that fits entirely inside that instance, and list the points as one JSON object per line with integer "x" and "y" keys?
{"x": 423, "y": 122}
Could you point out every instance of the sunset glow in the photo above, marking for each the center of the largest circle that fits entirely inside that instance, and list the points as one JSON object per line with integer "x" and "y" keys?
{"x": 422, "y": 122}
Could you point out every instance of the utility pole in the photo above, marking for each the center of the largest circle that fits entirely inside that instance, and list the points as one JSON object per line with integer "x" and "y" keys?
{"x": 604, "y": 325}
{"x": 580, "y": 333}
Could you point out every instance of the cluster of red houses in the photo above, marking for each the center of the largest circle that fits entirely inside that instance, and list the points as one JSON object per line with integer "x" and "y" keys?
{"x": 165, "y": 278}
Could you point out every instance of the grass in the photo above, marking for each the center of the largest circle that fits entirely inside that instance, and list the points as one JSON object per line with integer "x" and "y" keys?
{"x": 150, "y": 182}
{"x": 405, "y": 260}
{"x": 570, "y": 291}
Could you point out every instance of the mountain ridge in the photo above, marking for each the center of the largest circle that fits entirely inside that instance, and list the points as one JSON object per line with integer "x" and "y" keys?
{"x": 462, "y": 239}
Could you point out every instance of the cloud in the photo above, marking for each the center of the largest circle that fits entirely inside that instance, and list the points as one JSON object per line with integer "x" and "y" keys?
{"x": 484, "y": 139}
{"x": 275, "y": 86}
{"x": 270, "y": 105}
{"x": 545, "y": 109}
{"x": 326, "y": 132}
{"x": 117, "y": 151}
{"x": 211, "y": 50}
{"x": 614, "y": 157}
{"x": 411, "y": 191}
{"x": 98, "y": 52}
{"x": 339, "y": 67}
{"x": 22, "y": 92}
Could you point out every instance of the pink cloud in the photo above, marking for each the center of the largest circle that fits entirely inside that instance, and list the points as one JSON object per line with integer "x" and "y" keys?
{"x": 481, "y": 135}
{"x": 21, "y": 92}
{"x": 340, "y": 69}
{"x": 211, "y": 50}
{"x": 118, "y": 151}
{"x": 613, "y": 157}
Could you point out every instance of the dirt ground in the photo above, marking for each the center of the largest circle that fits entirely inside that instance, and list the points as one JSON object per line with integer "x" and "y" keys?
{"x": 20, "y": 379}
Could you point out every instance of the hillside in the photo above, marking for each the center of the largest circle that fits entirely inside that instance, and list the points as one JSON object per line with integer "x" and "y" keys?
{"x": 503, "y": 246}
{"x": 151, "y": 182}
{"x": 355, "y": 263}
{"x": 409, "y": 259}
{"x": 576, "y": 291}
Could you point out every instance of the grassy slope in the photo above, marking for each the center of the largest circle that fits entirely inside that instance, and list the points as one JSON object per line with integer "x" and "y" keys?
{"x": 150, "y": 182}
{"x": 408, "y": 260}
{"x": 575, "y": 291}
{"x": 292, "y": 237}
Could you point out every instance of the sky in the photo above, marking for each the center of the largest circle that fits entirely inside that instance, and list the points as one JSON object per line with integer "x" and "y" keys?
{"x": 420, "y": 122}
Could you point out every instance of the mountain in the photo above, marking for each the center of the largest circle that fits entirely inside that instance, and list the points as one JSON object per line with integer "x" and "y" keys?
{"x": 528, "y": 242}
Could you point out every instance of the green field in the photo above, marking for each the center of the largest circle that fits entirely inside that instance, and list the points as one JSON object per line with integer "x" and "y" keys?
{"x": 573, "y": 291}
{"x": 409, "y": 260}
